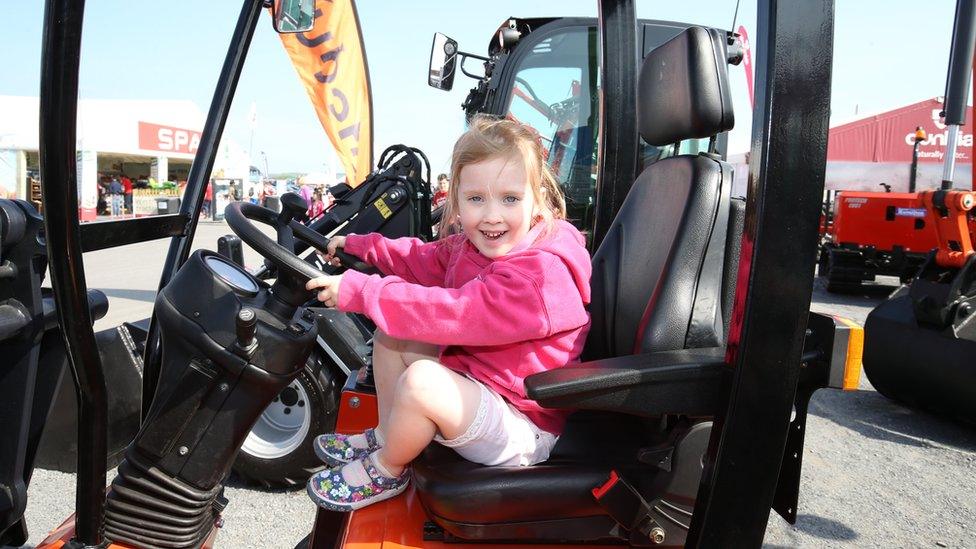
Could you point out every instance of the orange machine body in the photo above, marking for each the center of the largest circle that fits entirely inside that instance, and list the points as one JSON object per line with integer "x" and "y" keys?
{"x": 884, "y": 221}
{"x": 954, "y": 224}
{"x": 60, "y": 536}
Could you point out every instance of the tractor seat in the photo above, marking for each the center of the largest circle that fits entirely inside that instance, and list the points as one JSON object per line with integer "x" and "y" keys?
{"x": 460, "y": 488}
{"x": 661, "y": 294}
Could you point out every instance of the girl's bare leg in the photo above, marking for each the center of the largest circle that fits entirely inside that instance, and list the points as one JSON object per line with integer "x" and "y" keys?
{"x": 429, "y": 398}
{"x": 390, "y": 359}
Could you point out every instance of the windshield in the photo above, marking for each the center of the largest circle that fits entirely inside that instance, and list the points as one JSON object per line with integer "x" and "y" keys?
{"x": 556, "y": 91}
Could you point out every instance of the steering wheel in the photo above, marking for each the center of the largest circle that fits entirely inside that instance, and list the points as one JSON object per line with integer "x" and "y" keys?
{"x": 241, "y": 217}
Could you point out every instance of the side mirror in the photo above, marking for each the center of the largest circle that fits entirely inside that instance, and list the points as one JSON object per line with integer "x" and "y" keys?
{"x": 293, "y": 15}
{"x": 443, "y": 59}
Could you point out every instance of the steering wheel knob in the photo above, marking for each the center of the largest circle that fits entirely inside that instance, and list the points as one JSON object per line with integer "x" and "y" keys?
{"x": 293, "y": 206}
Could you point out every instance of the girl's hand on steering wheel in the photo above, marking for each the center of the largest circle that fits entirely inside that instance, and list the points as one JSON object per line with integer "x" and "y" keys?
{"x": 328, "y": 289}
{"x": 335, "y": 243}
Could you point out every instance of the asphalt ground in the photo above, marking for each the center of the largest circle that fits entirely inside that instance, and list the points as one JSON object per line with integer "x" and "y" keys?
{"x": 875, "y": 474}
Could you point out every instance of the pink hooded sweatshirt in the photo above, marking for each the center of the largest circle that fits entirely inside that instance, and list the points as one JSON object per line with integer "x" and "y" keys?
{"x": 497, "y": 321}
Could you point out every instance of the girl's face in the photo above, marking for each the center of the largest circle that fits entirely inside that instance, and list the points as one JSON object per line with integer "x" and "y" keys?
{"x": 495, "y": 204}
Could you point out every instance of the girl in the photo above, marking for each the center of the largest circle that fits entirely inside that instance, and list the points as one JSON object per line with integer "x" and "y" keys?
{"x": 317, "y": 207}
{"x": 463, "y": 321}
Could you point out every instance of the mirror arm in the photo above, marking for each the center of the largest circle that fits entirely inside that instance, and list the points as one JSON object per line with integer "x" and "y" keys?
{"x": 473, "y": 56}
{"x": 464, "y": 57}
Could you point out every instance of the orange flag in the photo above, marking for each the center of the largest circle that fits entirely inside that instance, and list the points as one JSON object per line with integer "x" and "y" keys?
{"x": 331, "y": 62}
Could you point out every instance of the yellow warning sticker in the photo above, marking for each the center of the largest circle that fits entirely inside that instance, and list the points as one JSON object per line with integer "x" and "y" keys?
{"x": 383, "y": 208}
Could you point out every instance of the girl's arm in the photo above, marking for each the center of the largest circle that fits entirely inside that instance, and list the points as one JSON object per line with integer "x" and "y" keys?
{"x": 507, "y": 305}
{"x": 411, "y": 259}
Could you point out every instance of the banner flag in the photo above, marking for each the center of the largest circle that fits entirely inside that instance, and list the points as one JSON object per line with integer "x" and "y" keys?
{"x": 331, "y": 63}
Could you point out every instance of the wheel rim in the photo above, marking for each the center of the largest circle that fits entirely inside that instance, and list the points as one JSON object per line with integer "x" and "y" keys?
{"x": 283, "y": 425}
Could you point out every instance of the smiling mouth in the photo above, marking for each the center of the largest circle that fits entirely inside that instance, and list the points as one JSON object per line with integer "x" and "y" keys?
{"x": 493, "y": 235}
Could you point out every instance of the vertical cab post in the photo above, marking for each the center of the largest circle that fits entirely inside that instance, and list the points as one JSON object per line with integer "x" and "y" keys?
{"x": 618, "y": 142}
{"x": 773, "y": 290}
{"x": 60, "y": 56}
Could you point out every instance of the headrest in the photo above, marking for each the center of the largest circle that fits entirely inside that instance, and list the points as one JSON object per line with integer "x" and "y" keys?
{"x": 683, "y": 88}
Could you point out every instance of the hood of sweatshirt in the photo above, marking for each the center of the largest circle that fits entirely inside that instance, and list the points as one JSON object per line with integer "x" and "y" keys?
{"x": 563, "y": 240}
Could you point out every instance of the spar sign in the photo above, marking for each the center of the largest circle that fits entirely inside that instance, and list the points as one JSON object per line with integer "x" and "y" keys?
{"x": 155, "y": 137}
{"x": 331, "y": 63}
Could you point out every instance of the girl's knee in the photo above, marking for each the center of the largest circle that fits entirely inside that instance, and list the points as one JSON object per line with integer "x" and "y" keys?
{"x": 422, "y": 380}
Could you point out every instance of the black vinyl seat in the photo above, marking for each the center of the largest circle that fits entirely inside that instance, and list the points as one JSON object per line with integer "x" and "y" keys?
{"x": 659, "y": 289}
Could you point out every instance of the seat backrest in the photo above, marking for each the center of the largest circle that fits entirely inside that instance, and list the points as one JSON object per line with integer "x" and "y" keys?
{"x": 658, "y": 274}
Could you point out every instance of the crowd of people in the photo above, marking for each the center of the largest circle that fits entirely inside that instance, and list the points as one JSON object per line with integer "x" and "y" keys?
{"x": 114, "y": 194}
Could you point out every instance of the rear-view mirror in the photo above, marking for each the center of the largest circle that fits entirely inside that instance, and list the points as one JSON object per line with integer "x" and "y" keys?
{"x": 293, "y": 15}
{"x": 443, "y": 59}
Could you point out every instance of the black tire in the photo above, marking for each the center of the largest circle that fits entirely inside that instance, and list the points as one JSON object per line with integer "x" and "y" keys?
{"x": 844, "y": 272}
{"x": 823, "y": 261}
{"x": 278, "y": 451}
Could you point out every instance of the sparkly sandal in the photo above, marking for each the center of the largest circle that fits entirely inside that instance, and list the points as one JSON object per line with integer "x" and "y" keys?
{"x": 335, "y": 449}
{"x": 330, "y": 490}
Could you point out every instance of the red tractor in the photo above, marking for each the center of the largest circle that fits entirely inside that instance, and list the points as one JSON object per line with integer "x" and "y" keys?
{"x": 871, "y": 233}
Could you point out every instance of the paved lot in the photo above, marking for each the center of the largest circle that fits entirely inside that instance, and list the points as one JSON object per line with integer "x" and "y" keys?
{"x": 875, "y": 474}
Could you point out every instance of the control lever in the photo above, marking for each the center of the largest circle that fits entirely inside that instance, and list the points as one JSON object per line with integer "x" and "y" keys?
{"x": 293, "y": 208}
{"x": 246, "y": 324}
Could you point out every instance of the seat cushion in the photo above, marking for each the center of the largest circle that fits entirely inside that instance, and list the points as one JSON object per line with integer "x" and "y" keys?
{"x": 461, "y": 491}
{"x": 458, "y": 490}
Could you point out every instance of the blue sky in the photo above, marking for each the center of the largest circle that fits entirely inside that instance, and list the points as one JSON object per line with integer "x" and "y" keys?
{"x": 887, "y": 54}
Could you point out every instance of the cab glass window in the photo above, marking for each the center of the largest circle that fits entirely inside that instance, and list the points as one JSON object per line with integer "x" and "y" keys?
{"x": 556, "y": 91}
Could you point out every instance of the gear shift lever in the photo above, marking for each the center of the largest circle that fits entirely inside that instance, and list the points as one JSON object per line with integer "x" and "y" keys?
{"x": 292, "y": 207}
{"x": 245, "y": 326}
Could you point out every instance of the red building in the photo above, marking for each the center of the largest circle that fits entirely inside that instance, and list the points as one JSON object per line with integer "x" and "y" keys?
{"x": 878, "y": 149}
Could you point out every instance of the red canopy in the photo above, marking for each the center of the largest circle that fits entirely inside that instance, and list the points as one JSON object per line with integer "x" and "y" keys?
{"x": 888, "y": 137}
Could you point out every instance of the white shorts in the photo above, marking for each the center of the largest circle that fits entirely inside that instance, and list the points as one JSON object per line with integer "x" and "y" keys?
{"x": 501, "y": 435}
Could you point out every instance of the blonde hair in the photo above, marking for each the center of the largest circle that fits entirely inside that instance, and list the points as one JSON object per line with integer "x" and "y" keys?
{"x": 487, "y": 138}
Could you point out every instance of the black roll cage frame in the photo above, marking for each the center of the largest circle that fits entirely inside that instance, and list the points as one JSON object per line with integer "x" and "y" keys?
{"x": 484, "y": 97}
{"x": 773, "y": 290}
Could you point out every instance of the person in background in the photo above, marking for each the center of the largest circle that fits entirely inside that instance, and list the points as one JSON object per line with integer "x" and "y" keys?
{"x": 306, "y": 192}
{"x": 250, "y": 196}
{"x": 440, "y": 196}
{"x": 101, "y": 207}
{"x": 127, "y": 193}
{"x": 116, "y": 192}
{"x": 267, "y": 191}
{"x": 317, "y": 207}
{"x": 208, "y": 200}
{"x": 329, "y": 199}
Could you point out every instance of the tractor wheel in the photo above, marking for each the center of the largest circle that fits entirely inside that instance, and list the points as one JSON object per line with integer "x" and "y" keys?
{"x": 823, "y": 261}
{"x": 278, "y": 450}
{"x": 844, "y": 272}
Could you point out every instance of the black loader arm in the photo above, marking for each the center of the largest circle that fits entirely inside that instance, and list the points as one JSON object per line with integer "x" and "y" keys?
{"x": 32, "y": 357}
